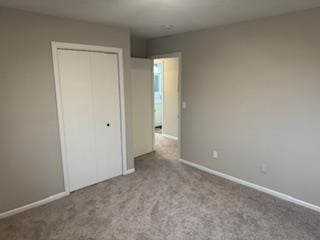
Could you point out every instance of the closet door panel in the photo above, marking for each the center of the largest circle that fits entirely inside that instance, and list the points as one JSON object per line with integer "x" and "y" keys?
{"x": 106, "y": 112}
{"x": 76, "y": 94}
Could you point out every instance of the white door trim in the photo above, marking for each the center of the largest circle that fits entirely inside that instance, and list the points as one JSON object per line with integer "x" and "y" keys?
{"x": 91, "y": 48}
{"x": 179, "y": 56}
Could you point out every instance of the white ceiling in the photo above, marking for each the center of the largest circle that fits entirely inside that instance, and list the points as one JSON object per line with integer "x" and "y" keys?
{"x": 147, "y": 18}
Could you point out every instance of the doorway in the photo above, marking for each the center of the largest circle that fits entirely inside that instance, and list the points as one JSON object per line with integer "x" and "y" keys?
{"x": 158, "y": 95}
{"x": 166, "y": 93}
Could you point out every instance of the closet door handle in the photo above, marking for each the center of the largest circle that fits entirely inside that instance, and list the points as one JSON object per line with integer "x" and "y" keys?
{"x": 108, "y": 124}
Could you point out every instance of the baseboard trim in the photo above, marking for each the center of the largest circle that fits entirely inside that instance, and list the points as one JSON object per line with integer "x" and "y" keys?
{"x": 33, "y": 205}
{"x": 145, "y": 154}
{"x": 43, "y": 201}
{"x": 129, "y": 171}
{"x": 254, "y": 186}
{"x": 169, "y": 136}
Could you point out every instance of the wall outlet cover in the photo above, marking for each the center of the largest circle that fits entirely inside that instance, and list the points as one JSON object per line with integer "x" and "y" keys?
{"x": 264, "y": 168}
{"x": 215, "y": 154}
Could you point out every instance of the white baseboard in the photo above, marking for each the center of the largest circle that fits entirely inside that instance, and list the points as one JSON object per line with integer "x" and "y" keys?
{"x": 43, "y": 201}
{"x": 254, "y": 186}
{"x": 169, "y": 136}
{"x": 129, "y": 171}
{"x": 33, "y": 205}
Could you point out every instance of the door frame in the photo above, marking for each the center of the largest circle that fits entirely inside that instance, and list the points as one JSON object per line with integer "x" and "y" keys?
{"x": 90, "y": 48}
{"x": 179, "y": 56}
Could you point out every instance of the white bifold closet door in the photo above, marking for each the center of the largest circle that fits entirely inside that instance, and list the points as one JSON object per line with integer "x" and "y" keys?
{"x": 89, "y": 85}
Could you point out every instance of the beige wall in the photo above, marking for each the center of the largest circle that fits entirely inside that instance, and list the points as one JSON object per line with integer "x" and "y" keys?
{"x": 253, "y": 94}
{"x": 30, "y": 161}
{"x": 138, "y": 47}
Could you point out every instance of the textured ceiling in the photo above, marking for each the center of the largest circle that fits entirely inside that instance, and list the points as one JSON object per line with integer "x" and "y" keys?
{"x": 148, "y": 18}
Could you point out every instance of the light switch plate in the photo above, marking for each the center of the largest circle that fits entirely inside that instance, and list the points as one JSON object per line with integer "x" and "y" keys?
{"x": 184, "y": 104}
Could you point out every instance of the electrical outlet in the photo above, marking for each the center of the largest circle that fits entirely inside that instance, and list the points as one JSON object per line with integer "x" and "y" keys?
{"x": 264, "y": 168}
{"x": 215, "y": 154}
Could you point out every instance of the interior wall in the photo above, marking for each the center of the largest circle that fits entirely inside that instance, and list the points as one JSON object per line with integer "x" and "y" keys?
{"x": 30, "y": 156}
{"x": 138, "y": 47}
{"x": 142, "y": 105}
{"x": 253, "y": 94}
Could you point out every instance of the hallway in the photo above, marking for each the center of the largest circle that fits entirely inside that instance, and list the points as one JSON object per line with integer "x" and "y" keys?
{"x": 166, "y": 147}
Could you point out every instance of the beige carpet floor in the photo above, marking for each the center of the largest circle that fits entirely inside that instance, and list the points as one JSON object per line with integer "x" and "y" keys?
{"x": 165, "y": 199}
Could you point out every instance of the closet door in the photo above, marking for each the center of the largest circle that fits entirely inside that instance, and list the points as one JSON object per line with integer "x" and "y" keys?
{"x": 76, "y": 94}
{"x": 106, "y": 110}
{"x": 91, "y": 116}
